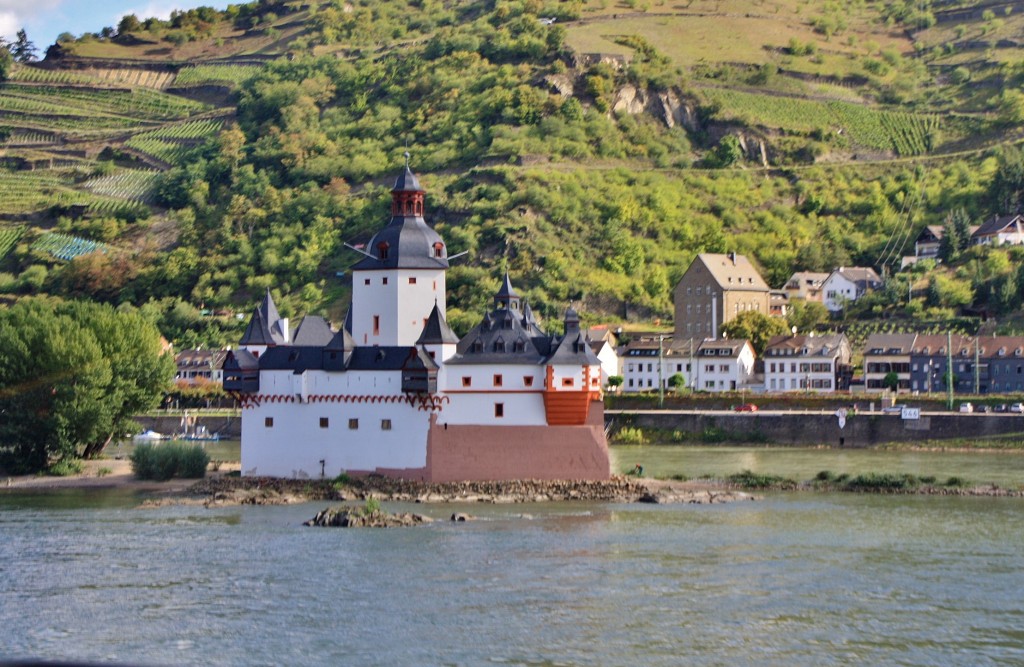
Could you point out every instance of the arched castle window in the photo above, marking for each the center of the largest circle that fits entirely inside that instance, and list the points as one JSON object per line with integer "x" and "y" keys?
{"x": 382, "y": 250}
{"x": 438, "y": 249}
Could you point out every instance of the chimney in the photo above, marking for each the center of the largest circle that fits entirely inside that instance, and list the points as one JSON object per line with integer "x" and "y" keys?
{"x": 284, "y": 330}
{"x": 732, "y": 256}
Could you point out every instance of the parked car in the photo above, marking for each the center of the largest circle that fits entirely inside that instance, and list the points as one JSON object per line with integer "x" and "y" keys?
{"x": 746, "y": 407}
{"x": 966, "y": 407}
{"x": 1017, "y": 407}
{"x": 1002, "y": 407}
{"x": 983, "y": 408}
{"x": 893, "y": 409}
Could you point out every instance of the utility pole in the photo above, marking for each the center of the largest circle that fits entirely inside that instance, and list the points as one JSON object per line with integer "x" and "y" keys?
{"x": 660, "y": 372}
{"x": 977, "y": 377}
{"x": 950, "y": 378}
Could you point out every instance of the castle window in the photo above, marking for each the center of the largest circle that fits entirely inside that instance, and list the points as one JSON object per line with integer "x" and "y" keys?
{"x": 324, "y": 422}
{"x": 478, "y": 346}
{"x": 384, "y": 280}
{"x": 527, "y": 380}
{"x": 519, "y": 346}
{"x": 499, "y": 409}
{"x": 385, "y": 424}
{"x": 353, "y": 424}
{"x": 567, "y": 382}
{"x": 382, "y": 250}
{"x": 412, "y": 281}
{"x": 499, "y": 345}
{"x": 376, "y": 325}
{"x": 439, "y": 249}
{"x": 268, "y": 422}
{"x": 467, "y": 381}
{"x": 366, "y": 281}
{"x": 497, "y": 379}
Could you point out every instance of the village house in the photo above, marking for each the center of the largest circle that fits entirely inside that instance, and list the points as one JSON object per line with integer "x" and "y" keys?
{"x": 1000, "y": 230}
{"x": 980, "y": 365}
{"x": 200, "y": 365}
{"x": 713, "y": 290}
{"x": 396, "y": 392}
{"x": 847, "y": 284}
{"x": 604, "y": 344}
{"x": 885, "y": 354}
{"x": 805, "y": 285}
{"x": 650, "y": 358}
{"x": 807, "y": 363}
{"x": 724, "y": 365}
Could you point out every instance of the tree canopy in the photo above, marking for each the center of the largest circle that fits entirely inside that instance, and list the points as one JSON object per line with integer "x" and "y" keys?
{"x": 756, "y": 327}
{"x": 71, "y": 376}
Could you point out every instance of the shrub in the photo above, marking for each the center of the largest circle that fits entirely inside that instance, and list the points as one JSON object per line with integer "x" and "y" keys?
{"x": 881, "y": 482}
{"x": 630, "y": 435}
{"x": 162, "y": 462}
{"x": 751, "y": 480}
{"x": 65, "y": 468}
{"x": 956, "y": 482}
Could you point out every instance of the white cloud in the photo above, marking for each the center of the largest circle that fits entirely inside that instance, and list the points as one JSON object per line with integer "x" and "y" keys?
{"x": 18, "y": 14}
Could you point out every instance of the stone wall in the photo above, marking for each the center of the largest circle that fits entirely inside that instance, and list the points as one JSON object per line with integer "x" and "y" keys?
{"x": 861, "y": 430}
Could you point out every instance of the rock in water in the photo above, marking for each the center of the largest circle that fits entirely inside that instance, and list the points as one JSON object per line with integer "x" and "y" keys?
{"x": 344, "y": 517}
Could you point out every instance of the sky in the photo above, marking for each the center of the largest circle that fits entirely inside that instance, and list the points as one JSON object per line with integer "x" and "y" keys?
{"x": 43, "y": 20}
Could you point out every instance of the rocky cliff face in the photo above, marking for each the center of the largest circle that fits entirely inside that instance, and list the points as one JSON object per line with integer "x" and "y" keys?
{"x": 666, "y": 106}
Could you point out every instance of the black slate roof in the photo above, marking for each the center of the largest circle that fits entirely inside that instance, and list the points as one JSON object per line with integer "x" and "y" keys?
{"x": 313, "y": 331}
{"x": 265, "y": 326}
{"x": 436, "y": 331}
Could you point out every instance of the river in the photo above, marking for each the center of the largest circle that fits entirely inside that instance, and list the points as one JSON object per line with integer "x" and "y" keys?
{"x": 794, "y": 579}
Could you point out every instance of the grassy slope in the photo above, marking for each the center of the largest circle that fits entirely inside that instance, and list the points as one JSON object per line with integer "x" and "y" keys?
{"x": 716, "y": 45}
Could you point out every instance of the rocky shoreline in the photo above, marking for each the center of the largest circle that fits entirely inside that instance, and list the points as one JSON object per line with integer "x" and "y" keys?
{"x": 224, "y": 491}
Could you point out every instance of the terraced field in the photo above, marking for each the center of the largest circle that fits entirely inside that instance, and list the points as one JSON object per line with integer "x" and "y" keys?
{"x": 902, "y": 133}
{"x": 203, "y": 74}
{"x": 67, "y": 247}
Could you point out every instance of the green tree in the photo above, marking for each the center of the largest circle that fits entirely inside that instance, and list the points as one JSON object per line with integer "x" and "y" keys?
{"x": 806, "y": 315}
{"x": 1006, "y": 191}
{"x": 23, "y": 50}
{"x": 891, "y": 381}
{"x": 71, "y": 376}
{"x": 756, "y": 327}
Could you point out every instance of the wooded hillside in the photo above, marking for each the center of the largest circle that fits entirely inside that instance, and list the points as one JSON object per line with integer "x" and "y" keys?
{"x": 590, "y": 148}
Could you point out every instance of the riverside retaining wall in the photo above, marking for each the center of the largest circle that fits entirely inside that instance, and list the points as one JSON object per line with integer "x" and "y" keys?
{"x": 861, "y": 430}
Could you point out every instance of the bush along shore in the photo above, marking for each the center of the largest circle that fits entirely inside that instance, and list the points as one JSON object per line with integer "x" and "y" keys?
{"x": 886, "y": 483}
{"x": 226, "y": 490}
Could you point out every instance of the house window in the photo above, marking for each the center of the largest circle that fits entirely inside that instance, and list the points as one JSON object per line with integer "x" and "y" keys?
{"x": 366, "y": 281}
{"x": 324, "y": 423}
{"x": 566, "y": 382}
{"x": 499, "y": 409}
{"x": 353, "y": 424}
{"x": 376, "y": 325}
{"x": 528, "y": 381}
{"x": 412, "y": 281}
{"x": 385, "y": 424}
{"x": 467, "y": 381}
{"x": 497, "y": 380}
{"x": 268, "y": 422}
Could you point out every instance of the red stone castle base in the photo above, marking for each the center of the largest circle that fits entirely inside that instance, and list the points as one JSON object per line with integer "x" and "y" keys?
{"x": 487, "y": 453}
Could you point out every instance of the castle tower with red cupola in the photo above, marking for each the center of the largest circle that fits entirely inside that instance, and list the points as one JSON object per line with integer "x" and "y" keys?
{"x": 402, "y": 274}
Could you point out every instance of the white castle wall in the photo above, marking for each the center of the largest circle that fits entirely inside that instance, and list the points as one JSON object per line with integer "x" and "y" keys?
{"x": 293, "y": 445}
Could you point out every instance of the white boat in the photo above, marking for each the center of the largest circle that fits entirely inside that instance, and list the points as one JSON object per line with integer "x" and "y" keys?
{"x": 149, "y": 435}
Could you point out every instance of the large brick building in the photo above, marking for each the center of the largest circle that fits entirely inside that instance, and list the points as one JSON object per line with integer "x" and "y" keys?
{"x": 714, "y": 290}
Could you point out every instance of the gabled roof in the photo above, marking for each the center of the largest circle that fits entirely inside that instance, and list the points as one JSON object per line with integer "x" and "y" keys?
{"x": 889, "y": 344}
{"x": 860, "y": 275}
{"x": 731, "y": 271}
{"x": 313, "y": 331}
{"x": 241, "y": 360}
{"x": 731, "y": 348}
{"x": 573, "y": 348}
{"x": 997, "y": 225}
{"x": 815, "y": 345}
{"x": 436, "y": 331}
{"x": 806, "y": 279}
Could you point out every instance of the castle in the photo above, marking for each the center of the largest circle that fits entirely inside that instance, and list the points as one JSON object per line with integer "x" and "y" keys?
{"x": 396, "y": 392}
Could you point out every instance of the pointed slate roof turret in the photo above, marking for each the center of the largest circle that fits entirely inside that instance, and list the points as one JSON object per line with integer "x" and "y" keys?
{"x": 265, "y": 326}
{"x": 313, "y": 331}
{"x": 572, "y": 321}
{"x": 507, "y": 297}
{"x": 436, "y": 331}
{"x": 530, "y": 322}
{"x": 407, "y": 242}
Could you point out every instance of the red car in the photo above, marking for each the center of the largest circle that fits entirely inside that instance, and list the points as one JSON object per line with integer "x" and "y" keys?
{"x": 746, "y": 407}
